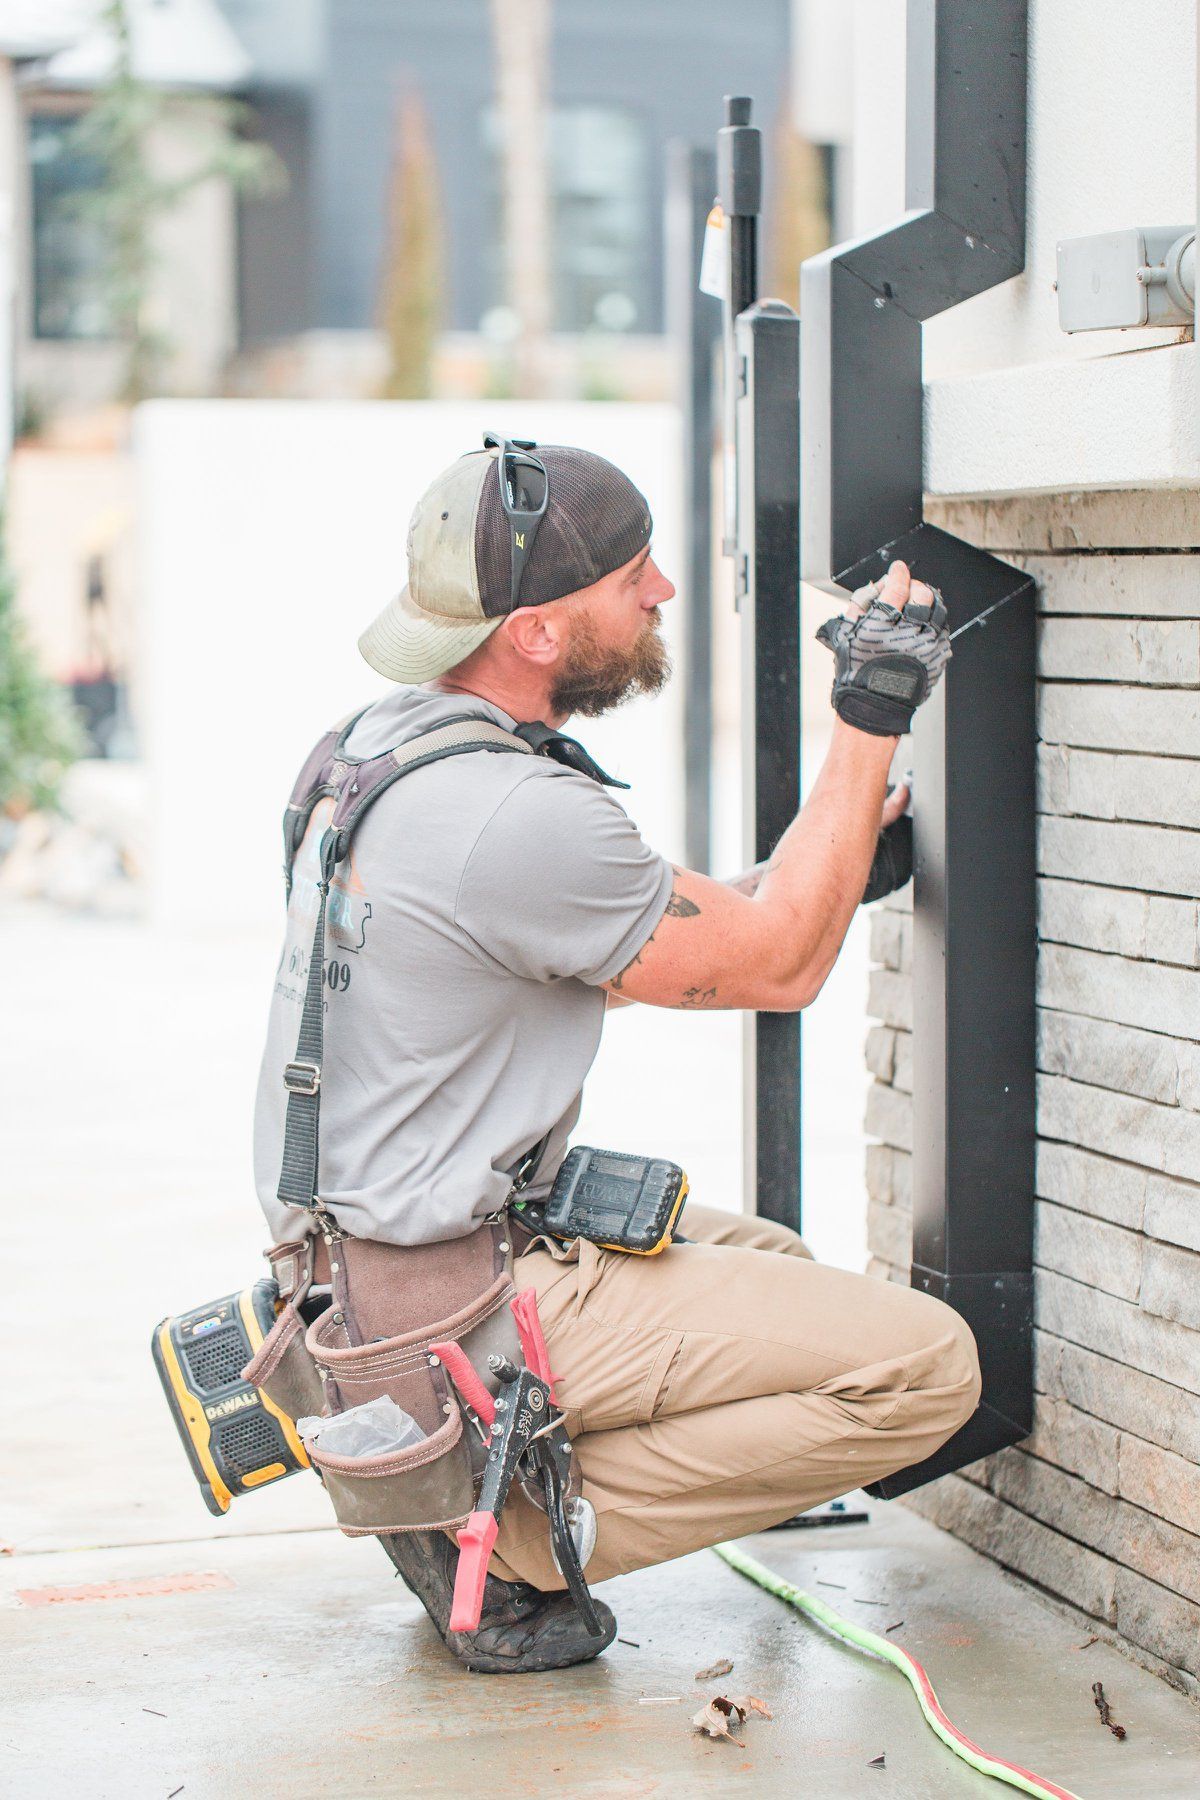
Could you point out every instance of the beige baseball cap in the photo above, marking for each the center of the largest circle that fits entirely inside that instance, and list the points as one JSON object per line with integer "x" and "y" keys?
{"x": 459, "y": 584}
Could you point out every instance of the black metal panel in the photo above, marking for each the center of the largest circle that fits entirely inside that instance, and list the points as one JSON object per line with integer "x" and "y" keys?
{"x": 694, "y": 323}
{"x": 767, "y": 348}
{"x": 974, "y": 743}
{"x": 999, "y": 1310}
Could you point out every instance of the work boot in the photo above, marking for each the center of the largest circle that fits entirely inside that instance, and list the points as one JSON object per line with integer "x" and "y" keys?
{"x": 521, "y": 1630}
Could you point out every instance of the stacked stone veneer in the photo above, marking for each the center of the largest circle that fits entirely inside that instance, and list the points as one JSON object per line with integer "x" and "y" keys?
{"x": 1101, "y": 1506}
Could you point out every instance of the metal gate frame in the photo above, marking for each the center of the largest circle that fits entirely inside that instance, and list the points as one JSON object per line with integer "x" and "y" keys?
{"x": 862, "y": 405}
{"x": 761, "y": 378}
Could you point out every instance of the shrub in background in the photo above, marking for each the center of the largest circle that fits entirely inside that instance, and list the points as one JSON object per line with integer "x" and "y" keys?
{"x": 39, "y": 736}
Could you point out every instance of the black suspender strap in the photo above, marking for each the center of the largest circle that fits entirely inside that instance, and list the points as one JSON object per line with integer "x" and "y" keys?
{"x": 299, "y": 1177}
{"x": 302, "y": 1076}
{"x": 568, "y": 751}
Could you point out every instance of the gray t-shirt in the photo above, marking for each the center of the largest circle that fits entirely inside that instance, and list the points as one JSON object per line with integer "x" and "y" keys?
{"x": 487, "y": 898}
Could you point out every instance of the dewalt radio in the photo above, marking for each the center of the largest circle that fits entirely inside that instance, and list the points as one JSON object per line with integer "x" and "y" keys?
{"x": 236, "y": 1439}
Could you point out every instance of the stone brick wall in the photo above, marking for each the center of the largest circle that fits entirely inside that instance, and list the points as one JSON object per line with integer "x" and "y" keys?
{"x": 1101, "y": 1506}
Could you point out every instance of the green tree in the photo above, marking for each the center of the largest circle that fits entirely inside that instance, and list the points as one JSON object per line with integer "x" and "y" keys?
{"x": 39, "y": 736}
{"x": 411, "y": 290}
{"x": 132, "y": 199}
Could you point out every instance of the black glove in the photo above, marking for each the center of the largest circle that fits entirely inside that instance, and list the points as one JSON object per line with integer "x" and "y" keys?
{"x": 892, "y": 864}
{"x": 887, "y": 662}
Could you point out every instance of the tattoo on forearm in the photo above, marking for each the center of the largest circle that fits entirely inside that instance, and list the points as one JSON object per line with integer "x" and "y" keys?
{"x": 677, "y": 907}
{"x": 680, "y": 907}
{"x": 697, "y": 996}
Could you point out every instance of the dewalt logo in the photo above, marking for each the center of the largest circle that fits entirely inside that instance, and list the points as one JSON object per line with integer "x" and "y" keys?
{"x": 221, "y": 1409}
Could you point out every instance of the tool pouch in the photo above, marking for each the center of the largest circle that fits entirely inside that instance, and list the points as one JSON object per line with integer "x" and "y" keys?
{"x": 283, "y": 1368}
{"x": 390, "y": 1303}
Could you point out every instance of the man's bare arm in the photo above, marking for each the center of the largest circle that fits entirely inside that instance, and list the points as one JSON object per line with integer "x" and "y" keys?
{"x": 771, "y": 952}
{"x": 768, "y": 941}
{"x": 749, "y": 881}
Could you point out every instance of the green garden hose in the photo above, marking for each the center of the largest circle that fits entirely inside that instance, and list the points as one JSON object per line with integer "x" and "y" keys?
{"x": 908, "y": 1666}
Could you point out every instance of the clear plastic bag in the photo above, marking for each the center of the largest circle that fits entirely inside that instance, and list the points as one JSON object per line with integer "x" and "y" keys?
{"x": 376, "y": 1428}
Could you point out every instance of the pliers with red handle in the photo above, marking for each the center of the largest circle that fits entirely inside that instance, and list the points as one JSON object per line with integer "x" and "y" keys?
{"x": 523, "y": 1422}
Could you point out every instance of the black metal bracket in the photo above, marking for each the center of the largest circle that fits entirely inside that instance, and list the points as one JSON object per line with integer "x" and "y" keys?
{"x": 862, "y": 407}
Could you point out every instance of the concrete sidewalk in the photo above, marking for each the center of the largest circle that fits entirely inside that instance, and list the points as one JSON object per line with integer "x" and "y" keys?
{"x": 150, "y": 1650}
{"x": 293, "y": 1665}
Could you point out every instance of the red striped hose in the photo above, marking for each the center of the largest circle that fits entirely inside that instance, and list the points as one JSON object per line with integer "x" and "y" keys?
{"x": 909, "y": 1667}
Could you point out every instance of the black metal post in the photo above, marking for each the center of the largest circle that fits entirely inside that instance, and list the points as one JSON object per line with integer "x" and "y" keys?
{"x": 694, "y": 323}
{"x": 739, "y": 189}
{"x": 767, "y": 371}
{"x": 974, "y": 899}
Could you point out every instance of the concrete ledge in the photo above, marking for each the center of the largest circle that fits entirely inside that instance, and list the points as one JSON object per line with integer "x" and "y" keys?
{"x": 1065, "y": 426}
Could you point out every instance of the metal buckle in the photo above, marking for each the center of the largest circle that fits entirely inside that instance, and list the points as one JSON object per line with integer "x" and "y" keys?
{"x": 302, "y": 1077}
{"x": 326, "y": 1224}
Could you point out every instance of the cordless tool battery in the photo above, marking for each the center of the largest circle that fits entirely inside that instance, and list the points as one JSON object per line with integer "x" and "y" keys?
{"x": 236, "y": 1439}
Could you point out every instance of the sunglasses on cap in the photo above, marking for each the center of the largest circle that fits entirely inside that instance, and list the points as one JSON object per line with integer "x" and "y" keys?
{"x": 524, "y": 495}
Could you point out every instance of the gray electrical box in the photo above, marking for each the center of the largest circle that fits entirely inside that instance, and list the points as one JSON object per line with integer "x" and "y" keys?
{"x": 1120, "y": 279}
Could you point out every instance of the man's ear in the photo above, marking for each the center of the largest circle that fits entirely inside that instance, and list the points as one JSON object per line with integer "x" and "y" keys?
{"x": 536, "y": 634}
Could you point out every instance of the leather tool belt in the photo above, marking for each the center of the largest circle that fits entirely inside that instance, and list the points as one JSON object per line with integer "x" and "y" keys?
{"x": 372, "y": 1335}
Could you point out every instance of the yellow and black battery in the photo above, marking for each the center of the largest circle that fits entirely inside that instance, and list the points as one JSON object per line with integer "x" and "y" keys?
{"x": 236, "y": 1439}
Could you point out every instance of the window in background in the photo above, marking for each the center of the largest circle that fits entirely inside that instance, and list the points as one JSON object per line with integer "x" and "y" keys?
{"x": 600, "y": 224}
{"x": 68, "y": 250}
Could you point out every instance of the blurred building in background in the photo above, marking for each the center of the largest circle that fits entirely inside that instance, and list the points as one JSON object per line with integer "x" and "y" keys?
{"x": 327, "y": 86}
{"x": 67, "y": 355}
{"x": 363, "y": 255}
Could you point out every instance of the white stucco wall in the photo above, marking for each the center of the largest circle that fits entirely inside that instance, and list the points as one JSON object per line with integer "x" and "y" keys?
{"x": 1112, "y": 143}
{"x": 1112, "y": 131}
{"x": 1015, "y": 404}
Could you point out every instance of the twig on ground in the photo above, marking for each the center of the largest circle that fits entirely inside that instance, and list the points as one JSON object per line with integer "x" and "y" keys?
{"x": 1105, "y": 1711}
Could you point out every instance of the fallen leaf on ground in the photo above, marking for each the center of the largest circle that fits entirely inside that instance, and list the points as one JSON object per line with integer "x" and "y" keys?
{"x": 720, "y": 1716}
{"x": 721, "y": 1667}
{"x": 877, "y": 1762}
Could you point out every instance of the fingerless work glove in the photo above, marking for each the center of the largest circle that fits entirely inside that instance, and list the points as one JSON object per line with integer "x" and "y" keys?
{"x": 886, "y": 663}
{"x": 892, "y": 864}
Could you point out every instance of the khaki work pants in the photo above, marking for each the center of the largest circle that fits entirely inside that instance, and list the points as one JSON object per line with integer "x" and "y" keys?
{"x": 726, "y": 1384}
